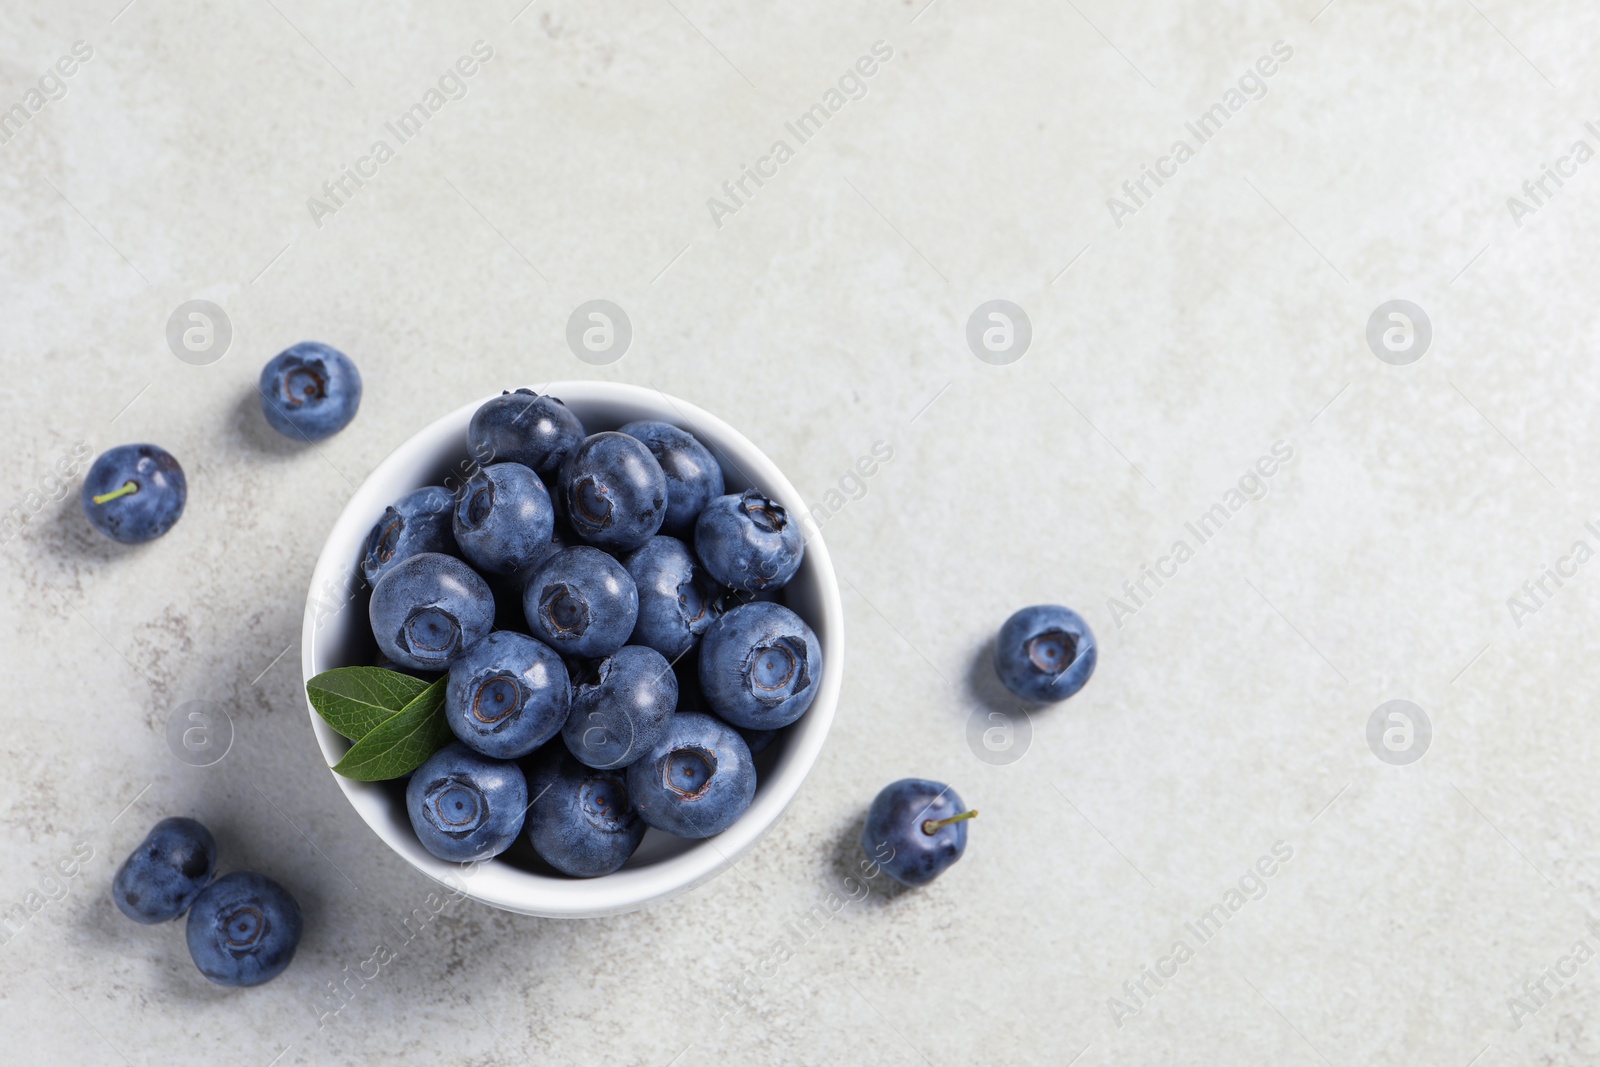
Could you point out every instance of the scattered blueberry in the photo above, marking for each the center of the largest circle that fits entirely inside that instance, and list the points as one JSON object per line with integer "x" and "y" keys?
{"x": 429, "y": 609}
{"x": 466, "y": 807}
{"x": 581, "y": 821}
{"x": 134, "y": 493}
{"x": 417, "y": 522}
{"x": 243, "y": 929}
{"x": 748, "y": 542}
{"x": 507, "y": 695}
{"x": 694, "y": 478}
{"x": 696, "y": 780}
{"x": 674, "y": 596}
{"x": 503, "y": 518}
{"x": 310, "y": 391}
{"x": 614, "y": 493}
{"x": 524, "y": 427}
{"x": 160, "y": 879}
{"x": 760, "y": 666}
{"x": 1045, "y": 653}
{"x": 581, "y": 603}
{"x": 915, "y": 830}
{"x": 620, "y": 707}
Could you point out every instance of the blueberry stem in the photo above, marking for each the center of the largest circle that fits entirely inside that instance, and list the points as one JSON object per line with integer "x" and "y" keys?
{"x": 127, "y": 487}
{"x": 931, "y": 827}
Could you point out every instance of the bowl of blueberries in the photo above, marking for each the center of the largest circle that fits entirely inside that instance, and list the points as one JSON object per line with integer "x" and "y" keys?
{"x": 573, "y": 651}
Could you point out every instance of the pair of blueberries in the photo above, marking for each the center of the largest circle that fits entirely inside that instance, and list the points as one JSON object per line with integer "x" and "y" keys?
{"x": 243, "y": 928}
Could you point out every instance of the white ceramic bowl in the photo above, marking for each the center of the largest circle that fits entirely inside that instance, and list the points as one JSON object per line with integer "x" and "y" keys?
{"x": 336, "y": 633}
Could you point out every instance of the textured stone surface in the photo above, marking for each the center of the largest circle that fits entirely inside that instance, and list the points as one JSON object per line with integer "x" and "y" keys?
{"x": 1225, "y": 314}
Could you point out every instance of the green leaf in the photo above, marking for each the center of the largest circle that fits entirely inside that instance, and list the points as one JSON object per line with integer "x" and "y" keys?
{"x": 401, "y": 743}
{"x": 356, "y": 700}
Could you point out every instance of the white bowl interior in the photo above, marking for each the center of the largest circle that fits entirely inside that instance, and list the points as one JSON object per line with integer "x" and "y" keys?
{"x": 336, "y": 633}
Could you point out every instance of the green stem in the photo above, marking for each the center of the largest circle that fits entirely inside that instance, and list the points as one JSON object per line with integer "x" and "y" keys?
{"x": 127, "y": 487}
{"x": 931, "y": 827}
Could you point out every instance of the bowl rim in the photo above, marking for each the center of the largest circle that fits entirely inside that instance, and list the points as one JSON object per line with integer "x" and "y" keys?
{"x": 525, "y": 892}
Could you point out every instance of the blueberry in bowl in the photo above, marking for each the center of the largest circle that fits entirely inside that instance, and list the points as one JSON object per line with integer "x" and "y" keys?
{"x": 541, "y": 869}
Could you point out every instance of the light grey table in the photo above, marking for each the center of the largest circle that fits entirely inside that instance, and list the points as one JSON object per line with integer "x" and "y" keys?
{"x": 1213, "y": 787}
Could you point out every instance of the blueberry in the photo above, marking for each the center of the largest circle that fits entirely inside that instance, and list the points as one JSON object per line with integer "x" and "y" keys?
{"x": 417, "y": 522}
{"x": 524, "y": 427}
{"x": 1045, "y": 653}
{"x": 613, "y": 491}
{"x": 696, "y": 780}
{"x": 748, "y": 542}
{"x": 760, "y": 666}
{"x": 503, "y": 518}
{"x": 581, "y": 821}
{"x": 160, "y": 879}
{"x": 507, "y": 695}
{"x": 243, "y": 929}
{"x": 694, "y": 478}
{"x": 466, "y": 807}
{"x": 134, "y": 493}
{"x": 429, "y": 609}
{"x": 620, "y": 707}
{"x": 581, "y": 603}
{"x": 310, "y": 391}
{"x": 915, "y": 830}
{"x": 675, "y": 596}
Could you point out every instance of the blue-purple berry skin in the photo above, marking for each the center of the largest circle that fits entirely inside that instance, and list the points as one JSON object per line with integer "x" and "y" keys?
{"x": 503, "y": 518}
{"x": 417, "y": 522}
{"x": 524, "y": 427}
{"x": 310, "y": 391}
{"x": 243, "y": 929}
{"x": 429, "y": 609}
{"x": 1045, "y": 653}
{"x": 507, "y": 695}
{"x": 760, "y": 666}
{"x": 162, "y": 877}
{"x": 895, "y": 837}
{"x": 696, "y": 780}
{"x": 134, "y": 493}
{"x": 749, "y": 542}
{"x": 694, "y": 477}
{"x": 613, "y": 492}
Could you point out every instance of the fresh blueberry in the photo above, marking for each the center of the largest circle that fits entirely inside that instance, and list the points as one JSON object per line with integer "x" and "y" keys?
{"x": 466, "y": 807}
{"x": 503, "y": 518}
{"x": 620, "y": 707}
{"x": 417, "y": 522}
{"x": 310, "y": 391}
{"x": 134, "y": 493}
{"x": 243, "y": 929}
{"x": 160, "y": 879}
{"x": 674, "y": 596}
{"x": 582, "y": 603}
{"x": 760, "y": 666}
{"x": 524, "y": 427}
{"x": 748, "y": 542}
{"x": 581, "y": 821}
{"x": 507, "y": 695}
{"x": 694, "y": 478}
{"x": 429, "y": 609}
{"x": 915, "y": 830}
{"x": 696, "y": 780}
{"x": 1045, "y": 653}
{"x": 613, "y": 491}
